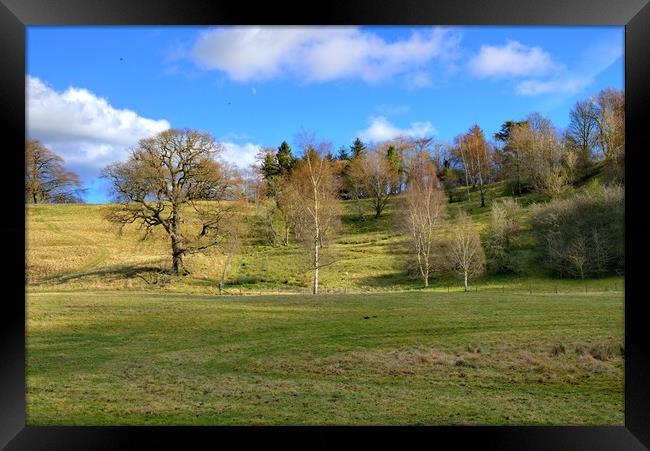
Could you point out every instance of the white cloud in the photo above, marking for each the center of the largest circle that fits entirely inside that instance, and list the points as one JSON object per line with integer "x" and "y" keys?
{"x": 83, "y": 128}
{"x": 380, "y": 129}
{"x": 241, "y": 155}
{"x": 564, "y": 86}
{"x": 511, "y": 60}
{"x": 592, "y": 62}
{"x": 319, "y": 54}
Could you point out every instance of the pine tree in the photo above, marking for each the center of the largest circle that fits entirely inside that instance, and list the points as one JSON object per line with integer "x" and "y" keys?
{"x": 285, "y": 160}
{"x": 270, "y": 166}
{"x": 343, "y": 154}
{"x": 358, "y": 148}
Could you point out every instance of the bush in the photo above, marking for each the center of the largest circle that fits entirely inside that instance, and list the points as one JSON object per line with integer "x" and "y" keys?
{"x": 583, "y": 236}
{"x": 499, "y": 247}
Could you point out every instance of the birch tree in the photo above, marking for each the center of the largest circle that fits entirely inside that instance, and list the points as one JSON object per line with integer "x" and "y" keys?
{"x": 313, "y": 185}
{"x": 424, "y": 211}
{"x": 466, "y": 251}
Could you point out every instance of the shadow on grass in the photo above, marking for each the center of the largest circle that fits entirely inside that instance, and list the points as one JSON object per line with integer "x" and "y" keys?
{"x": 112, "y": 273}
{"x": 389, "y": 280}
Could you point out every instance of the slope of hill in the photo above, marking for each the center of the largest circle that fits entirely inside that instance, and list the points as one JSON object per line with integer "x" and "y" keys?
{"x": 71, "y": 247}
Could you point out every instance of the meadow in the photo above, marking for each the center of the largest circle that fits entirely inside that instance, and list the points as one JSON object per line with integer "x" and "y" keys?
{"x": 97, "y": 358}
{"x": 111, "y": 340}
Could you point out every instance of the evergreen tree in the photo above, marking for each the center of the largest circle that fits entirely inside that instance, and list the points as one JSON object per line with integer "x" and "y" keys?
{"x": 270, "y": 166}
{"x": 285, "y": 160}
{"x": 343, "y": 154}
{"x": 358, "y": 148}
{"x": 394, "y": 165}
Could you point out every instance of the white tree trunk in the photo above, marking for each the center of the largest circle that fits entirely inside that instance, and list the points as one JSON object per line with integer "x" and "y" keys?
{"x": 316, "y": 266}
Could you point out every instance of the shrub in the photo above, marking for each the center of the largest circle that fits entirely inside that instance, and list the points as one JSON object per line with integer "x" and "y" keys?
{"x": 499, "y": 246}
{"x": 583, "y": 236}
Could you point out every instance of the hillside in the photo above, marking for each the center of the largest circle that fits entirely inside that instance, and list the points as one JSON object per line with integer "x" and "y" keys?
{"x": 71, "y": 247}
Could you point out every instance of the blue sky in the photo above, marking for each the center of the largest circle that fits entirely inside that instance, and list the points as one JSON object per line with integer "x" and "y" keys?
{"x": 92, "y": 92}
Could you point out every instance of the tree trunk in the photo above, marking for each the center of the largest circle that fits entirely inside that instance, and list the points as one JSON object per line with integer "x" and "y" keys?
{"x": 482, "y": 197}
{"x": 223, "y": 273}
{"x": 426, "y": 281}
{"x": 316, "y": 264}
{"x": 286, "y": 235}
{"x": 359, "y": 206}
{"x": 177, "y": 257}
{"x": 466, "y": 286}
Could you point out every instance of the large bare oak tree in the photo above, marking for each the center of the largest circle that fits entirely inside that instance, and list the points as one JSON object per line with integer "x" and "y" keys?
{"x": 172, "y": 182}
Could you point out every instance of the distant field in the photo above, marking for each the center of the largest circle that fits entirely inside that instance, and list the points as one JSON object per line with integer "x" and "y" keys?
{"x": 96, "y": 358}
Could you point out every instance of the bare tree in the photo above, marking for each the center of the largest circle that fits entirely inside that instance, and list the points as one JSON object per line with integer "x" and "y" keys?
{"x": 313, "y": 186}
{"x": 251, "y": 186}
{"x": 540, "y": 151}
{"x": 577, "y": 256}
{"x": 424, "y": 211}
{"x": 172, "y": 182}
{"x": 462, "y": 155}
{"x": 46, "y": 179}
{"x": 372, "y": 172}
{"x": 466, "y": 251}
{"x": 611, "y": 131}
{"x": 582, "y": 132}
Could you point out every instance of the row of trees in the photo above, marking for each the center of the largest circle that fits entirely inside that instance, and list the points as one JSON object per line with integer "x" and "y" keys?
{"x": 376, "y": 173}
{"x": 534, "y": 156}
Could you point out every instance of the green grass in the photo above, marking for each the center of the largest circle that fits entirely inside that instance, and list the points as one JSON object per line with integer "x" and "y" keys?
{"x": 104, "y": 347}
{"x": 97, "y": 358}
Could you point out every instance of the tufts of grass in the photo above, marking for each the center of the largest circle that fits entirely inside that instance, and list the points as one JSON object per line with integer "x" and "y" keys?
{"x": 203, "y": 359}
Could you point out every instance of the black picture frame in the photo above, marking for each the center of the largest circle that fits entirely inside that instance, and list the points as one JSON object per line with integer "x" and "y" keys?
{"x": 15, "y": 15}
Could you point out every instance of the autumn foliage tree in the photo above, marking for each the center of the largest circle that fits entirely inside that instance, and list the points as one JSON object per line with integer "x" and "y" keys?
{"x": 474, "y": 152}
{"x": 46, "y": 179}
{"x": 172, "y": 182}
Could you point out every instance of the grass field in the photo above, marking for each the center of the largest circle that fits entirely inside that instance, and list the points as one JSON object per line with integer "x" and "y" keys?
{"x": 106, "y": 346}
{"x": 96, "y": 358}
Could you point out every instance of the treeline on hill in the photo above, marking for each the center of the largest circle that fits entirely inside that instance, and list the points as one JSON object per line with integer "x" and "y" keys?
{"x": 169, "y": 178}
